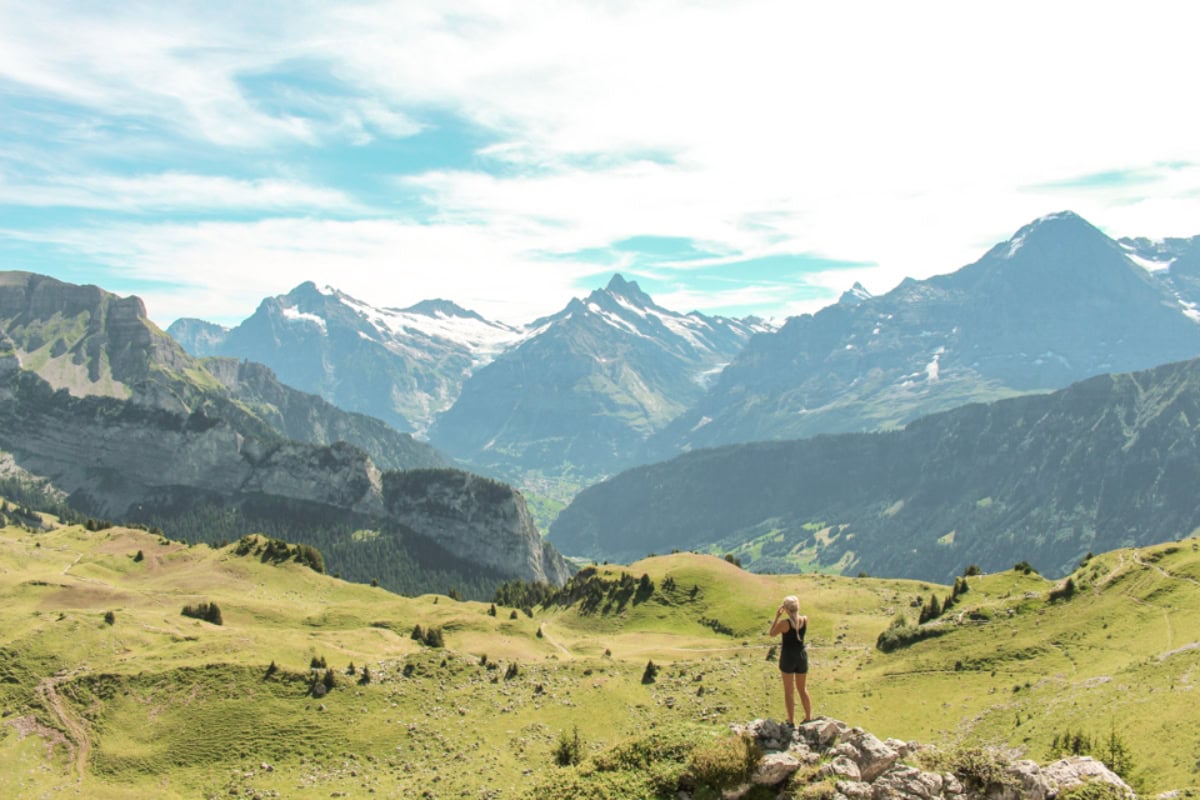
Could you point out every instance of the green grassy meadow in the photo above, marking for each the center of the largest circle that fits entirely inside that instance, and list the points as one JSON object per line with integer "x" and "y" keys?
{"x": 172, "y": 706}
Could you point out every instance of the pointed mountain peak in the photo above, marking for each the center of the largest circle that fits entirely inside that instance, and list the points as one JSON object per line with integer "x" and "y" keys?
{"x": 619, "y": 287}
{"x": 306, "y": 289}
{"x": 1065, "y": 227}
{"x": 855, "y": 295}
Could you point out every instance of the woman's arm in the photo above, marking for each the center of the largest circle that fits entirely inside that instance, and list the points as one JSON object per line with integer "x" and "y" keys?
{"x": 780, "y": 624}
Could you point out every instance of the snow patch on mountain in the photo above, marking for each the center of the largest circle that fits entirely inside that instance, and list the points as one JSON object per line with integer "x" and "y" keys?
{"x": 397, "y": 327}
{"x": 1148, "y": 263}
{"x": 296, "y": 315}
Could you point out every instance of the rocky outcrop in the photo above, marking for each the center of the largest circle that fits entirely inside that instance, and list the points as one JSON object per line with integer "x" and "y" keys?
{"x": 852, "y": 764}
{"x": 469, "y": 514}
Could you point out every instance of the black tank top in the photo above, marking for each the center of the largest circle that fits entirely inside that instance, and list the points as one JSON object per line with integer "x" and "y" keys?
{"x": 793, "y": 638}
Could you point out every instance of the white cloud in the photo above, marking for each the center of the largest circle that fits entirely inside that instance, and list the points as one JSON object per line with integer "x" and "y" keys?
{"x": 909, "y": 136}
{"x": 174, "y": 191}
{"x": 226, "y": 268}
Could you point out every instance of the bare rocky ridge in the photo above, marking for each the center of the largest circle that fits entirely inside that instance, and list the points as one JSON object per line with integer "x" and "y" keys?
{"x": 861, "y": 767}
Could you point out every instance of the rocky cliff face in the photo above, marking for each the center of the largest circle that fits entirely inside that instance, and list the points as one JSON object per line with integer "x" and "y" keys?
{"x": 467, "y": 512}
{"x": 117, "y": 459}
{"x": 90, "y": 342}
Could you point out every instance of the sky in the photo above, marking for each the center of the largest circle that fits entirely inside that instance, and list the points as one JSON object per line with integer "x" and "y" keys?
{"x": 731, "y": 157}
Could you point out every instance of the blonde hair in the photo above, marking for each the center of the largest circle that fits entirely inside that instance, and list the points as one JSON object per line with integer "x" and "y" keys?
{"x": 791, "y": 604}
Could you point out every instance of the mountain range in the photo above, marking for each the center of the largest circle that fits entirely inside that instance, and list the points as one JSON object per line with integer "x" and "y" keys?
{"x": 402, "y": 366}
{"x": 615, "y": 380}
{"x": 575, "y": 393}
{"x": 587, "y": 386}
{"x": 1113, "y": 461}
{"x": 1057, "y": 303}
{"x": 99, "y": 406}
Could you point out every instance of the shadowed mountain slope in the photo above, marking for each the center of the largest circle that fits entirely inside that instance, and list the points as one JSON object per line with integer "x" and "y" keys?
{"x": 1112, "y": 461}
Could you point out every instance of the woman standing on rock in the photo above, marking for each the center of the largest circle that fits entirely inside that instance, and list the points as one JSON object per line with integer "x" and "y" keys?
{"x": 793, "y": 658}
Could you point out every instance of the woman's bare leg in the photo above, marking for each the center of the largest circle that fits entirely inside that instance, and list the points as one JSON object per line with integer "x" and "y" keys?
{"x": 802, "y": 688}
{"x": 789, "y": 698}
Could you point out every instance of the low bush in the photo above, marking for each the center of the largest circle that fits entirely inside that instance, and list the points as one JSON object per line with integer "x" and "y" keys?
{"x": 724, "y": 763}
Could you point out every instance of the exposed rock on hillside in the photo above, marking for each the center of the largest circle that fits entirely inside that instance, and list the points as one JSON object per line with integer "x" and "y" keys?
{"x": 855, "y": 765}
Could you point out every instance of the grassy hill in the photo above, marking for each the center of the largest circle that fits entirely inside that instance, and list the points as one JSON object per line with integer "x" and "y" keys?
{"x": 172, "y": 706}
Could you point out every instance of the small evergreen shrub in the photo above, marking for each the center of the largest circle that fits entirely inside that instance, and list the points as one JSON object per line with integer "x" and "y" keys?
{"x": 1093, "y": 790}
{"x": 433, "y": 638}
{"x": 650, "y": 673}
{"x": 110, "y": 617}
{"x": 569, "y": 750}
{"x": 981, "y": 769}
{"x": 1064, "y": 592}
{"x": 724, "y": 763}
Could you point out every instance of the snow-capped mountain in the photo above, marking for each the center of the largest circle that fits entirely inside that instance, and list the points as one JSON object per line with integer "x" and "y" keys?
{"x": 400, "y": 365}
{"x": 1056, "y": 303}
{"x": 586, "y": 387}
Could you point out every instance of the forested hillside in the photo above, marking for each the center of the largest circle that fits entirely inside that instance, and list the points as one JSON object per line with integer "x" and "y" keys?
{"x": 1110, "y": 462}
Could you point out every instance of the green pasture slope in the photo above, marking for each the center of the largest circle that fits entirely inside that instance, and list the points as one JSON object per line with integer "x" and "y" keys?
{"x": 170, "y": 706}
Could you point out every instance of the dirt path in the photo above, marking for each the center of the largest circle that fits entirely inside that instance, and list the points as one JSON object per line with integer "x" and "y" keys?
{"x": 546, "y": 635}
{"x": 1153, "y": 565}
{"x": 78, "y": 743}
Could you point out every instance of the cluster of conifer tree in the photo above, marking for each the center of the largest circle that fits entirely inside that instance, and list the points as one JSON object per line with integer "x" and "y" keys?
{"x": 587, "y": 587}
{"x": 209, "y": 612}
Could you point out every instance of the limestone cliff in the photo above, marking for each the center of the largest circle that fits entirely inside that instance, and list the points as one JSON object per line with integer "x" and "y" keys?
{"x": 476, "y": 515}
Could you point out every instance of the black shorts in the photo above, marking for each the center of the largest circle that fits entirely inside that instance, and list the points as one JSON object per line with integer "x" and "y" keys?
{"x": 793, "y": 661}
